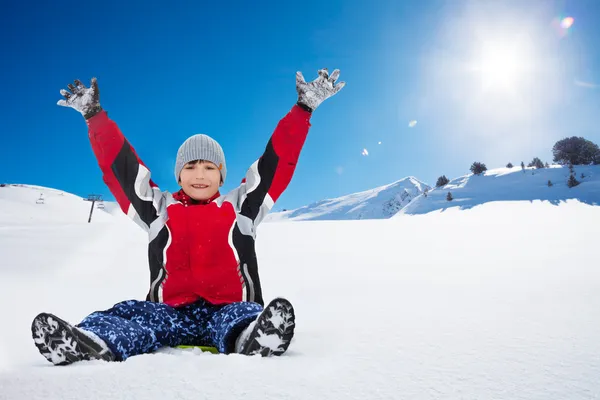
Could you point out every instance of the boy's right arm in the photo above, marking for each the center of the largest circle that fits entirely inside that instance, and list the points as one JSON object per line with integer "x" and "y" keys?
{"x": 125, "y": 174}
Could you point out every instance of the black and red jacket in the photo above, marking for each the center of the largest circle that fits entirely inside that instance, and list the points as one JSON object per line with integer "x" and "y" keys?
{"x": 200, "y": 249}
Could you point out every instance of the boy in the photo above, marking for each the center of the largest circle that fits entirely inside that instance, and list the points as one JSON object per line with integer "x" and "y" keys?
{"x": 204, "y": 283}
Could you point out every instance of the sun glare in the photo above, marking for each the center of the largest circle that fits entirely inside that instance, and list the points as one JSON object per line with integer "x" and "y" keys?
{"x": 502, "y": 66}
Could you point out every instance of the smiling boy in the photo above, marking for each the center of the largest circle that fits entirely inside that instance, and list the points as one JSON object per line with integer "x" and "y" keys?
{"x": 204, "y": 284}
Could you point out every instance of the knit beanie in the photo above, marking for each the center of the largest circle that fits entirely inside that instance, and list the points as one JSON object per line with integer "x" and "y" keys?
{"x": 200, "y": 147}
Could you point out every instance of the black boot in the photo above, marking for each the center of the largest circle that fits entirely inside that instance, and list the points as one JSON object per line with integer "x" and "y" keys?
{"x": 271, "y": 333}
{"x": 62, "y": 343}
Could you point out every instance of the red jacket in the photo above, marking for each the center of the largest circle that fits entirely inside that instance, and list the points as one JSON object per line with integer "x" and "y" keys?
{"x": 200, "y": 250}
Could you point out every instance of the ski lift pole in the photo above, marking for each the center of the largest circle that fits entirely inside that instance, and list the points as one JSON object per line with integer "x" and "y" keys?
{"x": 93, "y": 198}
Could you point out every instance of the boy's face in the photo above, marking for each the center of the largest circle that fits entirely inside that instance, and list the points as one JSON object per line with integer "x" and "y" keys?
{"x": 200, "y": 179}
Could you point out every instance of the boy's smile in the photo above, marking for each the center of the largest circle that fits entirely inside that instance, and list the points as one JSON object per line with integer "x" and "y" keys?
{"x": 200, "y": 179}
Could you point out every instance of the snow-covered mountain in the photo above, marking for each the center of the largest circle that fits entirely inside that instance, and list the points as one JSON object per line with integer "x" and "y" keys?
{"x": 412, "y": 307}
{"x": 512, "y": 184}
{"x": 408, "y": 196}
{"x": 382, "y": 202}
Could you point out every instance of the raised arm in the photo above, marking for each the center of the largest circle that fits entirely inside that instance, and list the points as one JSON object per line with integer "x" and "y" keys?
{"x": 270, "y": 175}
{"x": 123, "y": 172}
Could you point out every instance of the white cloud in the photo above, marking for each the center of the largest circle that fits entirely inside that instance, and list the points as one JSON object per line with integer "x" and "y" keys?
{"x": 585, "y": 84}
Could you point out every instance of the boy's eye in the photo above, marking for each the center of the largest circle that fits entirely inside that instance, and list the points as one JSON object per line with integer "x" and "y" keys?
{"x": 189, "y": 167}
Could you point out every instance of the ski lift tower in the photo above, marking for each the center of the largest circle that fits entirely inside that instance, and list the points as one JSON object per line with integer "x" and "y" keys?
{"x": 93, "y": 198}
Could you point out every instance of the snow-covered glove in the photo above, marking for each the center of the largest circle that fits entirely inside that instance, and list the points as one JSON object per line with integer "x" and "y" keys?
{"x": 310, "y": 95}
{"x": 85, "y": 100}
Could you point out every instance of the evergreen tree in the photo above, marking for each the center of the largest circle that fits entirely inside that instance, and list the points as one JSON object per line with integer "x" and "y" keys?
{"x": 577, "y": 151}
{"x": 442, "y": 181}
{"x": 547, "y": 165}
{"x": 509, "y": 165}
{"x": 536, "y": 162}
{"x": 478, "y": 168}
{"x": 572, "y": 182}
{"x": 449, "y": 197}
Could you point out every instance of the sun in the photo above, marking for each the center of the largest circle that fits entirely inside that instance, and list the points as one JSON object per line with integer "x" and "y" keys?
{"x": 502, "y": 66}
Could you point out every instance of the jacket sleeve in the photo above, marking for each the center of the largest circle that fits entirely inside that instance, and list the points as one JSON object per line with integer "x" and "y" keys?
{"x": 270, "y": 175}
{"x": 124, "y": 173}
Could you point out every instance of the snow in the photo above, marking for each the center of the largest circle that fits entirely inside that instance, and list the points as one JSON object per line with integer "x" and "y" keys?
{"x": 406, "y": 196}
{"x": 512, "y": 184}
{"x": 498, "y": 301}
{"x": 381, "y": 202}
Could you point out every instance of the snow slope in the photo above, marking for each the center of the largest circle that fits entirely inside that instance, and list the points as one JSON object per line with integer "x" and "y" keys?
{"x": 381, "y": 202}
{"x": 30, "y": 204}
{"x": 413, "y": 307}
{"x": 406, "y": 196}
{"x": 512, "y": 184}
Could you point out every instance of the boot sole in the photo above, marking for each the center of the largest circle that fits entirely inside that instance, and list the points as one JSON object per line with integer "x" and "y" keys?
{"x": 62, "y": 344}
{"x": 273, "y": 331}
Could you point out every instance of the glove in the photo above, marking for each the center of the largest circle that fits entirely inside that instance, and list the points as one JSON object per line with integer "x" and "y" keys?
{"x": 85, "y": 100}
{"x": 310, "y": 95}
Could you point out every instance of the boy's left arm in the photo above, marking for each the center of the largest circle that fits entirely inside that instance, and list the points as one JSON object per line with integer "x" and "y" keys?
{"x": 270, "y": 175}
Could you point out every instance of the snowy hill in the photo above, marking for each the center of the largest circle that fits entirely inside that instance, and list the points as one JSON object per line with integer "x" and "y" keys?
{"x": 407, "y": 195}
{"x": 413, "y": 307}
{"x": 512, "y": 184}
{"x": 378, "y": 203}
{"x": 30, "y": 204}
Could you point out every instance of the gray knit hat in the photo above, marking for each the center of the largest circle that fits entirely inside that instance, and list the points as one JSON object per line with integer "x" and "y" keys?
{"x": 200, "y": 147}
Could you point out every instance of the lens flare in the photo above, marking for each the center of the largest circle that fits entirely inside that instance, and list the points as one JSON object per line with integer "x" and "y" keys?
{"x": 563, "y": 25}
{"x": 365, "y": 152}
{"x": 567, "y": 22}
{"x": 412, "y": 123}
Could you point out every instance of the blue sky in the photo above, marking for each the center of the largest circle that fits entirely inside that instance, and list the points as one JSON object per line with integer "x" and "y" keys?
{"x": 485, "y": 82}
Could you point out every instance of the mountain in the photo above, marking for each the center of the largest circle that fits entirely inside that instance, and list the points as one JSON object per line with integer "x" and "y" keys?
{"x": 407, "y": 196}
{"x": 378, "y": 203}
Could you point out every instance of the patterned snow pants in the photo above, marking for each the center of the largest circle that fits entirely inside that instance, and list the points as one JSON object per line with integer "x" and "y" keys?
{"x": 136, "y": 327}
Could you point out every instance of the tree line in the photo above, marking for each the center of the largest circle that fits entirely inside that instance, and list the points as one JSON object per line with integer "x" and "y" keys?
{"x": 568, "y": 151}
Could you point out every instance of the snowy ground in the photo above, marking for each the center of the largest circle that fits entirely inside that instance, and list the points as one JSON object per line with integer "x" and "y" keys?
{"x": 496, "y": 302}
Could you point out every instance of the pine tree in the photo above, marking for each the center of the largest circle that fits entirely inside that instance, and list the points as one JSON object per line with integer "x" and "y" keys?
{"x": 572, "y": 182}
{"x": 449, "y": 197}
{"x": 478, "y": 168}
{"x": 576, "y": 150}
{"x": 509, "y": 165}
{"x": 442, "y": 181}
{"x": 536, "y": 162}
{"x": 547, "y": 165}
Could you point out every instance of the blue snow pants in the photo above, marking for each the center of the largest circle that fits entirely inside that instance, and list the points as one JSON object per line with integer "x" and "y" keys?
{"x": 135, "y": 327}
